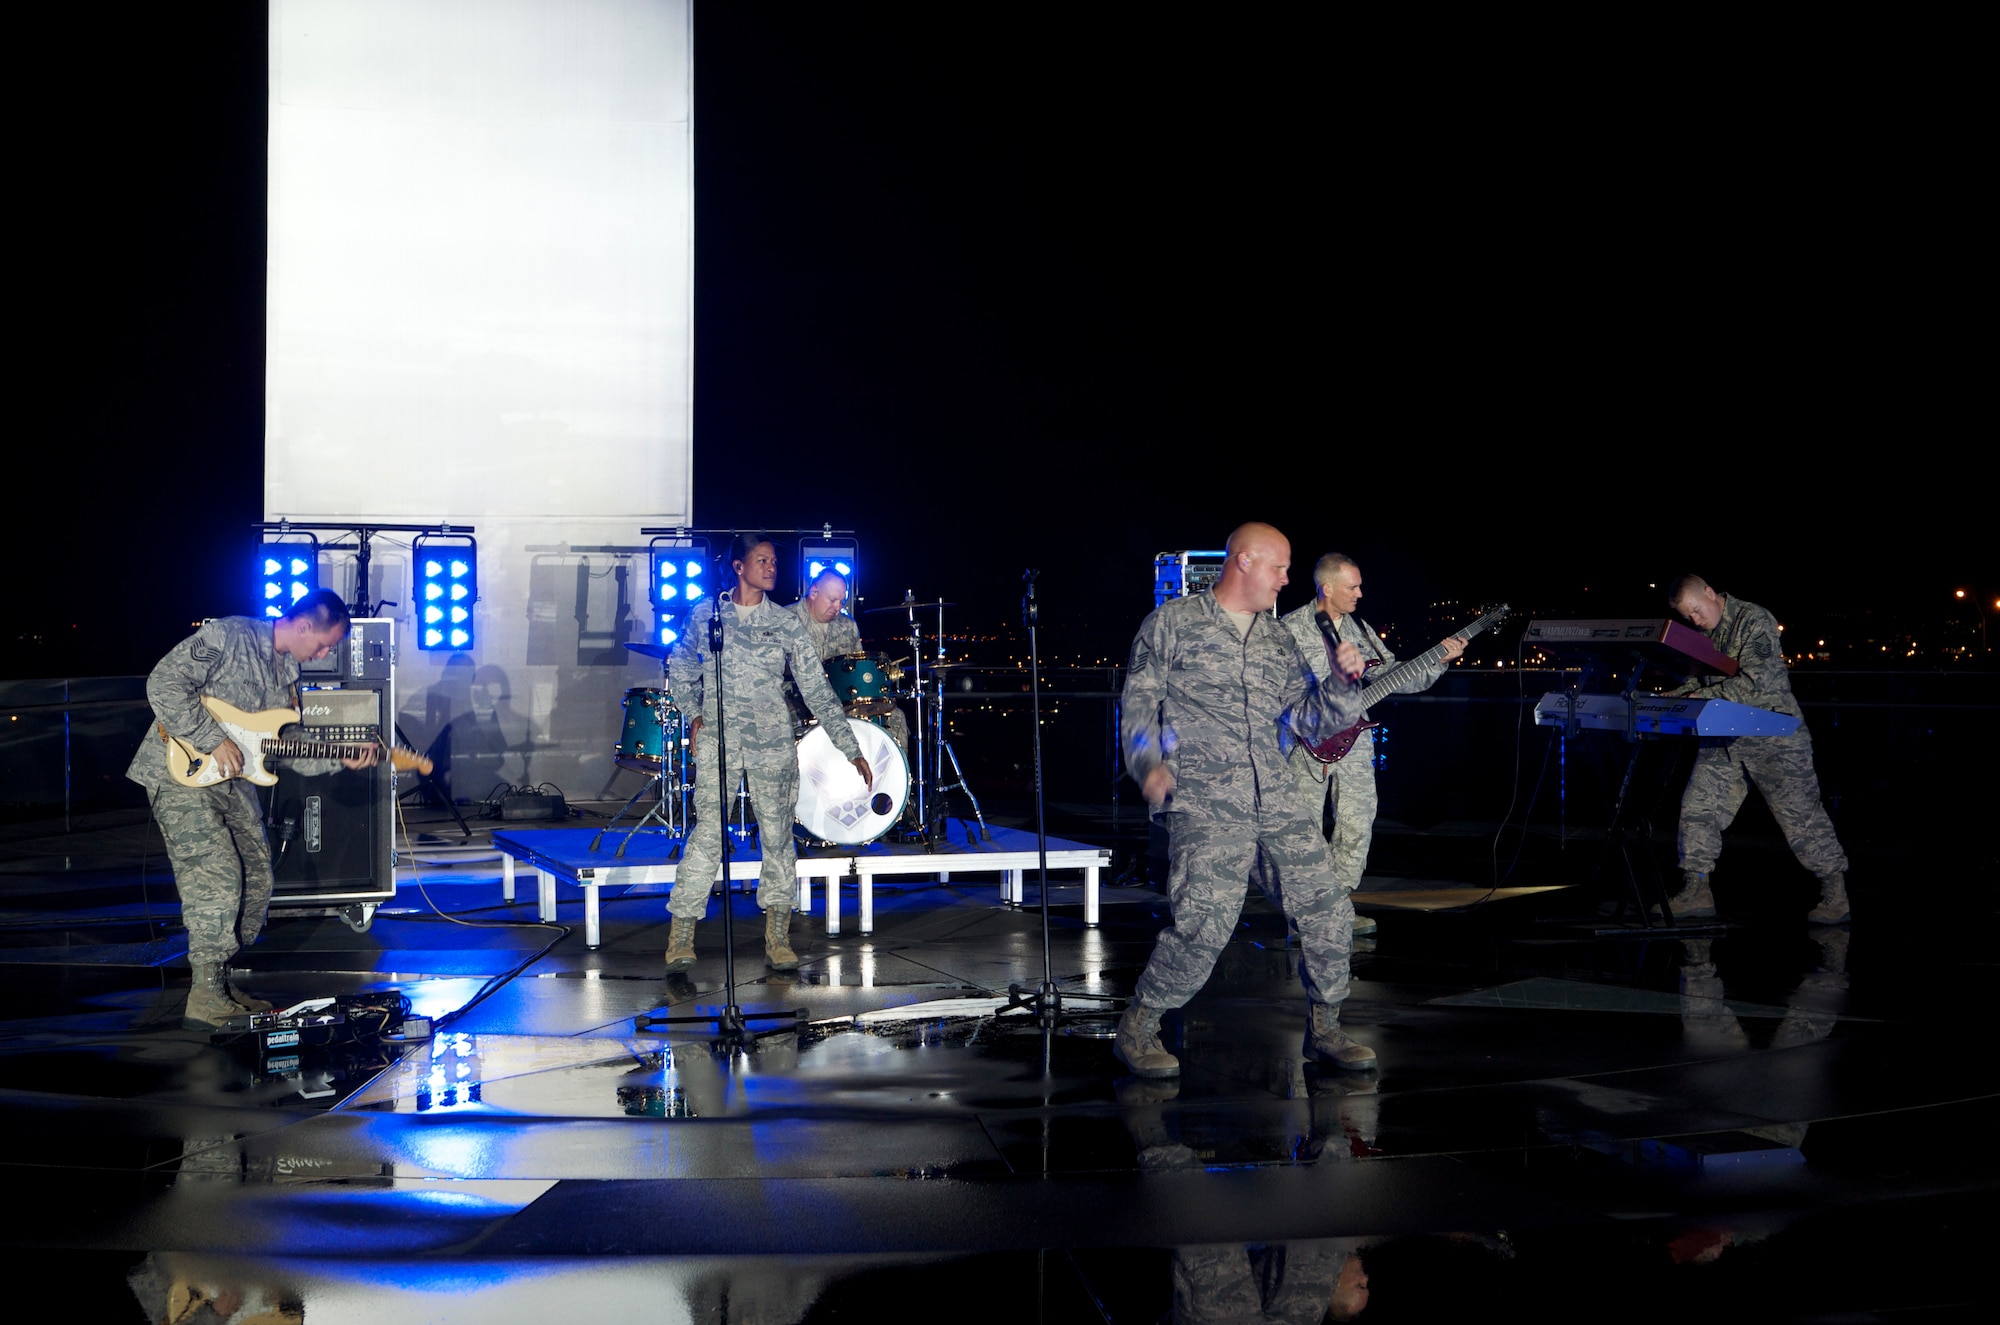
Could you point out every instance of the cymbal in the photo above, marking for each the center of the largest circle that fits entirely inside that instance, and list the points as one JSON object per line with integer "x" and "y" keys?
{"x": 904, "y": 607}
{"x": 659, "y": 651}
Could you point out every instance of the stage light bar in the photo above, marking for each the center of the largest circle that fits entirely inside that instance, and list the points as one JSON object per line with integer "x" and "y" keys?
{"x": 287, "y": 570}
{"x": 680, "y": 564}
{"x": 447, "y": 574}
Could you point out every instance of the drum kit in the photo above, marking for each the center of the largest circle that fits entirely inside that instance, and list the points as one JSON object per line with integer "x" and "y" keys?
{"x": 833, "y": 809}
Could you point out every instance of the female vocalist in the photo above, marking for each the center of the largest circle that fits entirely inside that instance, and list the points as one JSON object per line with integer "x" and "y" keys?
{"x": 760, "y": 640}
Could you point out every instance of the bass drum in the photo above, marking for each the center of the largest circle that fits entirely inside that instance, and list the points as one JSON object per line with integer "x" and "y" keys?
{"x": 833, "y": 805}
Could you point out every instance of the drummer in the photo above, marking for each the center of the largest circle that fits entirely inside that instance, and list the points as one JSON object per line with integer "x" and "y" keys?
{"x": 835, "y": 635}
{"x": 833, "y": 631}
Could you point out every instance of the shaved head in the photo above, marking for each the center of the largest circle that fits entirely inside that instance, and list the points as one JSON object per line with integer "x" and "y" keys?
{"x": 1259, "y": 557}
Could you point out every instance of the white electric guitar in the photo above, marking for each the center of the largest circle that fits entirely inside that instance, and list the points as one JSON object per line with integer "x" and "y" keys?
{"x": 259, "y": 737}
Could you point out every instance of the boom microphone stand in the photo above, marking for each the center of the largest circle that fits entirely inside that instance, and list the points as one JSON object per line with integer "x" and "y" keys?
{"x": 1047, "y": 1001}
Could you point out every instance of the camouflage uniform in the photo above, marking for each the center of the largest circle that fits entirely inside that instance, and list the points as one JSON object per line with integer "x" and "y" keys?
{"x": 215, "y": 835}
{"x": 1219, "y": 708}
{"x": 761, "y": 644}
{"x": 1349, "y": 784}
{"x": 1288, "y": 1283}
{"x": 1780, "y": 766}
{"x": 835, "y": 639}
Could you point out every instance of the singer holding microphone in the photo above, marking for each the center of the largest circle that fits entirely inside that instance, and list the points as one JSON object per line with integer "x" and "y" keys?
{"x": 758, "y": 644}
{"x": 1216, "y": 691}
{"x": 1348, "y": 785}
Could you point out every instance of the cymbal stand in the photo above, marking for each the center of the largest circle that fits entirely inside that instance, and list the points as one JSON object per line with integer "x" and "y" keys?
{"x": 932, "y": 749}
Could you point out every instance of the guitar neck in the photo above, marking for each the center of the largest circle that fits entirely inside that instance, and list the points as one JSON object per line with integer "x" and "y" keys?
{"x": 316, "y": 749}
{"x": 1382, "y": 689}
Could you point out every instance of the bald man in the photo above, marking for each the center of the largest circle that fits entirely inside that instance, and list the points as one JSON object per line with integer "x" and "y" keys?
{"x": 1216, "y": 692}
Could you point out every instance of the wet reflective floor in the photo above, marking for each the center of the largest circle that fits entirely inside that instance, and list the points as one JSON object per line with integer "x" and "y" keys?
{"x": 1760, "y": 1121}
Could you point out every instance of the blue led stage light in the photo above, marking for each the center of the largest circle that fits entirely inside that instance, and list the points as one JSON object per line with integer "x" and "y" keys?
{"x": 287, "y": 570}
{"x": 447, "y": 574}
{"x": 680, "y": 577}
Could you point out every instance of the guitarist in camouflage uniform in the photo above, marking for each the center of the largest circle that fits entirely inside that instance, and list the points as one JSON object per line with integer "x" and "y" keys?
{"x": 1347, "y": 786}
{"x": 215, "y": 834}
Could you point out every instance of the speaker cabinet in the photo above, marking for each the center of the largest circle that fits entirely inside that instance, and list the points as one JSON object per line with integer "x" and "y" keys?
{"x": 333, "y": 836}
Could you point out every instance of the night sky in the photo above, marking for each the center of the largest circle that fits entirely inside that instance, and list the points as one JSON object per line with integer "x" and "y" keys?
{"x": 1502, "y": 312}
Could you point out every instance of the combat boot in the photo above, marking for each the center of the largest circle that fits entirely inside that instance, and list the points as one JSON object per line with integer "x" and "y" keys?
{"x": 1832, "y": 908}
{"x": 1138, "y": 1043}
{"x": 1326, "y": 1041}
{"x": 208, "y": 1006}
{"x": 778, "y": 954}
{"x": 1694, "y": 899}
{"x": 680, "y": 944}
{"x": 247, "y": 1002}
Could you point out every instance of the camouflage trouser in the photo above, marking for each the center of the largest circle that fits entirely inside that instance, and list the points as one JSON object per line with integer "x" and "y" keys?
{"x": 1782, "y": 768}
{"x": 1210, "y": 866}
{"x": 222, "y": 865}
{"x": 1348, "y": 791}
{"x": 774, "y": 796}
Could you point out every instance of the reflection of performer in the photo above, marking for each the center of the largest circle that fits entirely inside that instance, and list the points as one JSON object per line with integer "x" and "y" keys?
{"x": 1294, "y": 1283}
{"x": 761, "y": 643}
{"x": 1726, "y": 766}
{"x": 1350, "y": 782}
{"x": 1213, "y": 681}
{"x": 215, "y": 834}
{"x": 835, "y": 635}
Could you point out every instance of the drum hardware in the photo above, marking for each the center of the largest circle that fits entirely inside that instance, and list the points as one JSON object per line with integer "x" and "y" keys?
{"x": 653, "y": 741}
{"x": 931, "y": 748}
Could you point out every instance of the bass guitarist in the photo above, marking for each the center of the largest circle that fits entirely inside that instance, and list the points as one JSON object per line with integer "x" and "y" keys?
{"x": 1347, "y": 786}
{"x": 215, "y": 834}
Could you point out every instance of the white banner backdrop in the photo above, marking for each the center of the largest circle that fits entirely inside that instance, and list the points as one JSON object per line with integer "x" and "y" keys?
{"x": 479, "y": 312}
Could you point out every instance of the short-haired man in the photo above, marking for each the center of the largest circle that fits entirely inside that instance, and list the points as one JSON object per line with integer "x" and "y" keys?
{"x": 835, "y": 635}
{"x": 1215, "y": 689}
{"x": 833, "y": 632}
{"x": 1725, "y": 767}
{"x": 215, "y": 834}
{"x": 1347, "y": 786}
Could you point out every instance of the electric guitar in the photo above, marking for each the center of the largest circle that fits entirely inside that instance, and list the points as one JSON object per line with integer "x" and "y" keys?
{"x": 1335, "y": 747}
{"x": 257, "y": 735}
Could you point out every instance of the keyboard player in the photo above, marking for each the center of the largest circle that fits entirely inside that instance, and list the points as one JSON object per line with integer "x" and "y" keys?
{"x": 1726, "y": 767}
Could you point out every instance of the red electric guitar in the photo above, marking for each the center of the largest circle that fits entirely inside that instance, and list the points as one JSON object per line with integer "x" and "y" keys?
{"x": 1335, "y": 747}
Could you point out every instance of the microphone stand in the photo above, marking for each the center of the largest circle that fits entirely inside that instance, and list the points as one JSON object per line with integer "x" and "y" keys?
{"x": 1047, "y": 1001}
{"x": 730, "y": 1022}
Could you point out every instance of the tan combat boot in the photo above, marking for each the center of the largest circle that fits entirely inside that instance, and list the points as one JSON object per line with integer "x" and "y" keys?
{"x": 208, "y": 1006}
{"x": 1325, "y": 1040}
{"x": 248, "y": 1002}
{"x": 1694, "y": 899}
{"x": 778, "y": 954}
{"x": 680, "y": 944}
{"x": 1832, "y": 908}
{"x": 1138, "y": 1043}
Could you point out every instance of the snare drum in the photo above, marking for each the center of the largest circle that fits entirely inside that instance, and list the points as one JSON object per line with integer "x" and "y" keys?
{"x": 653, "y": 731}
{"x": 861, "y": 682}
{"x": 833, "y": 805}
